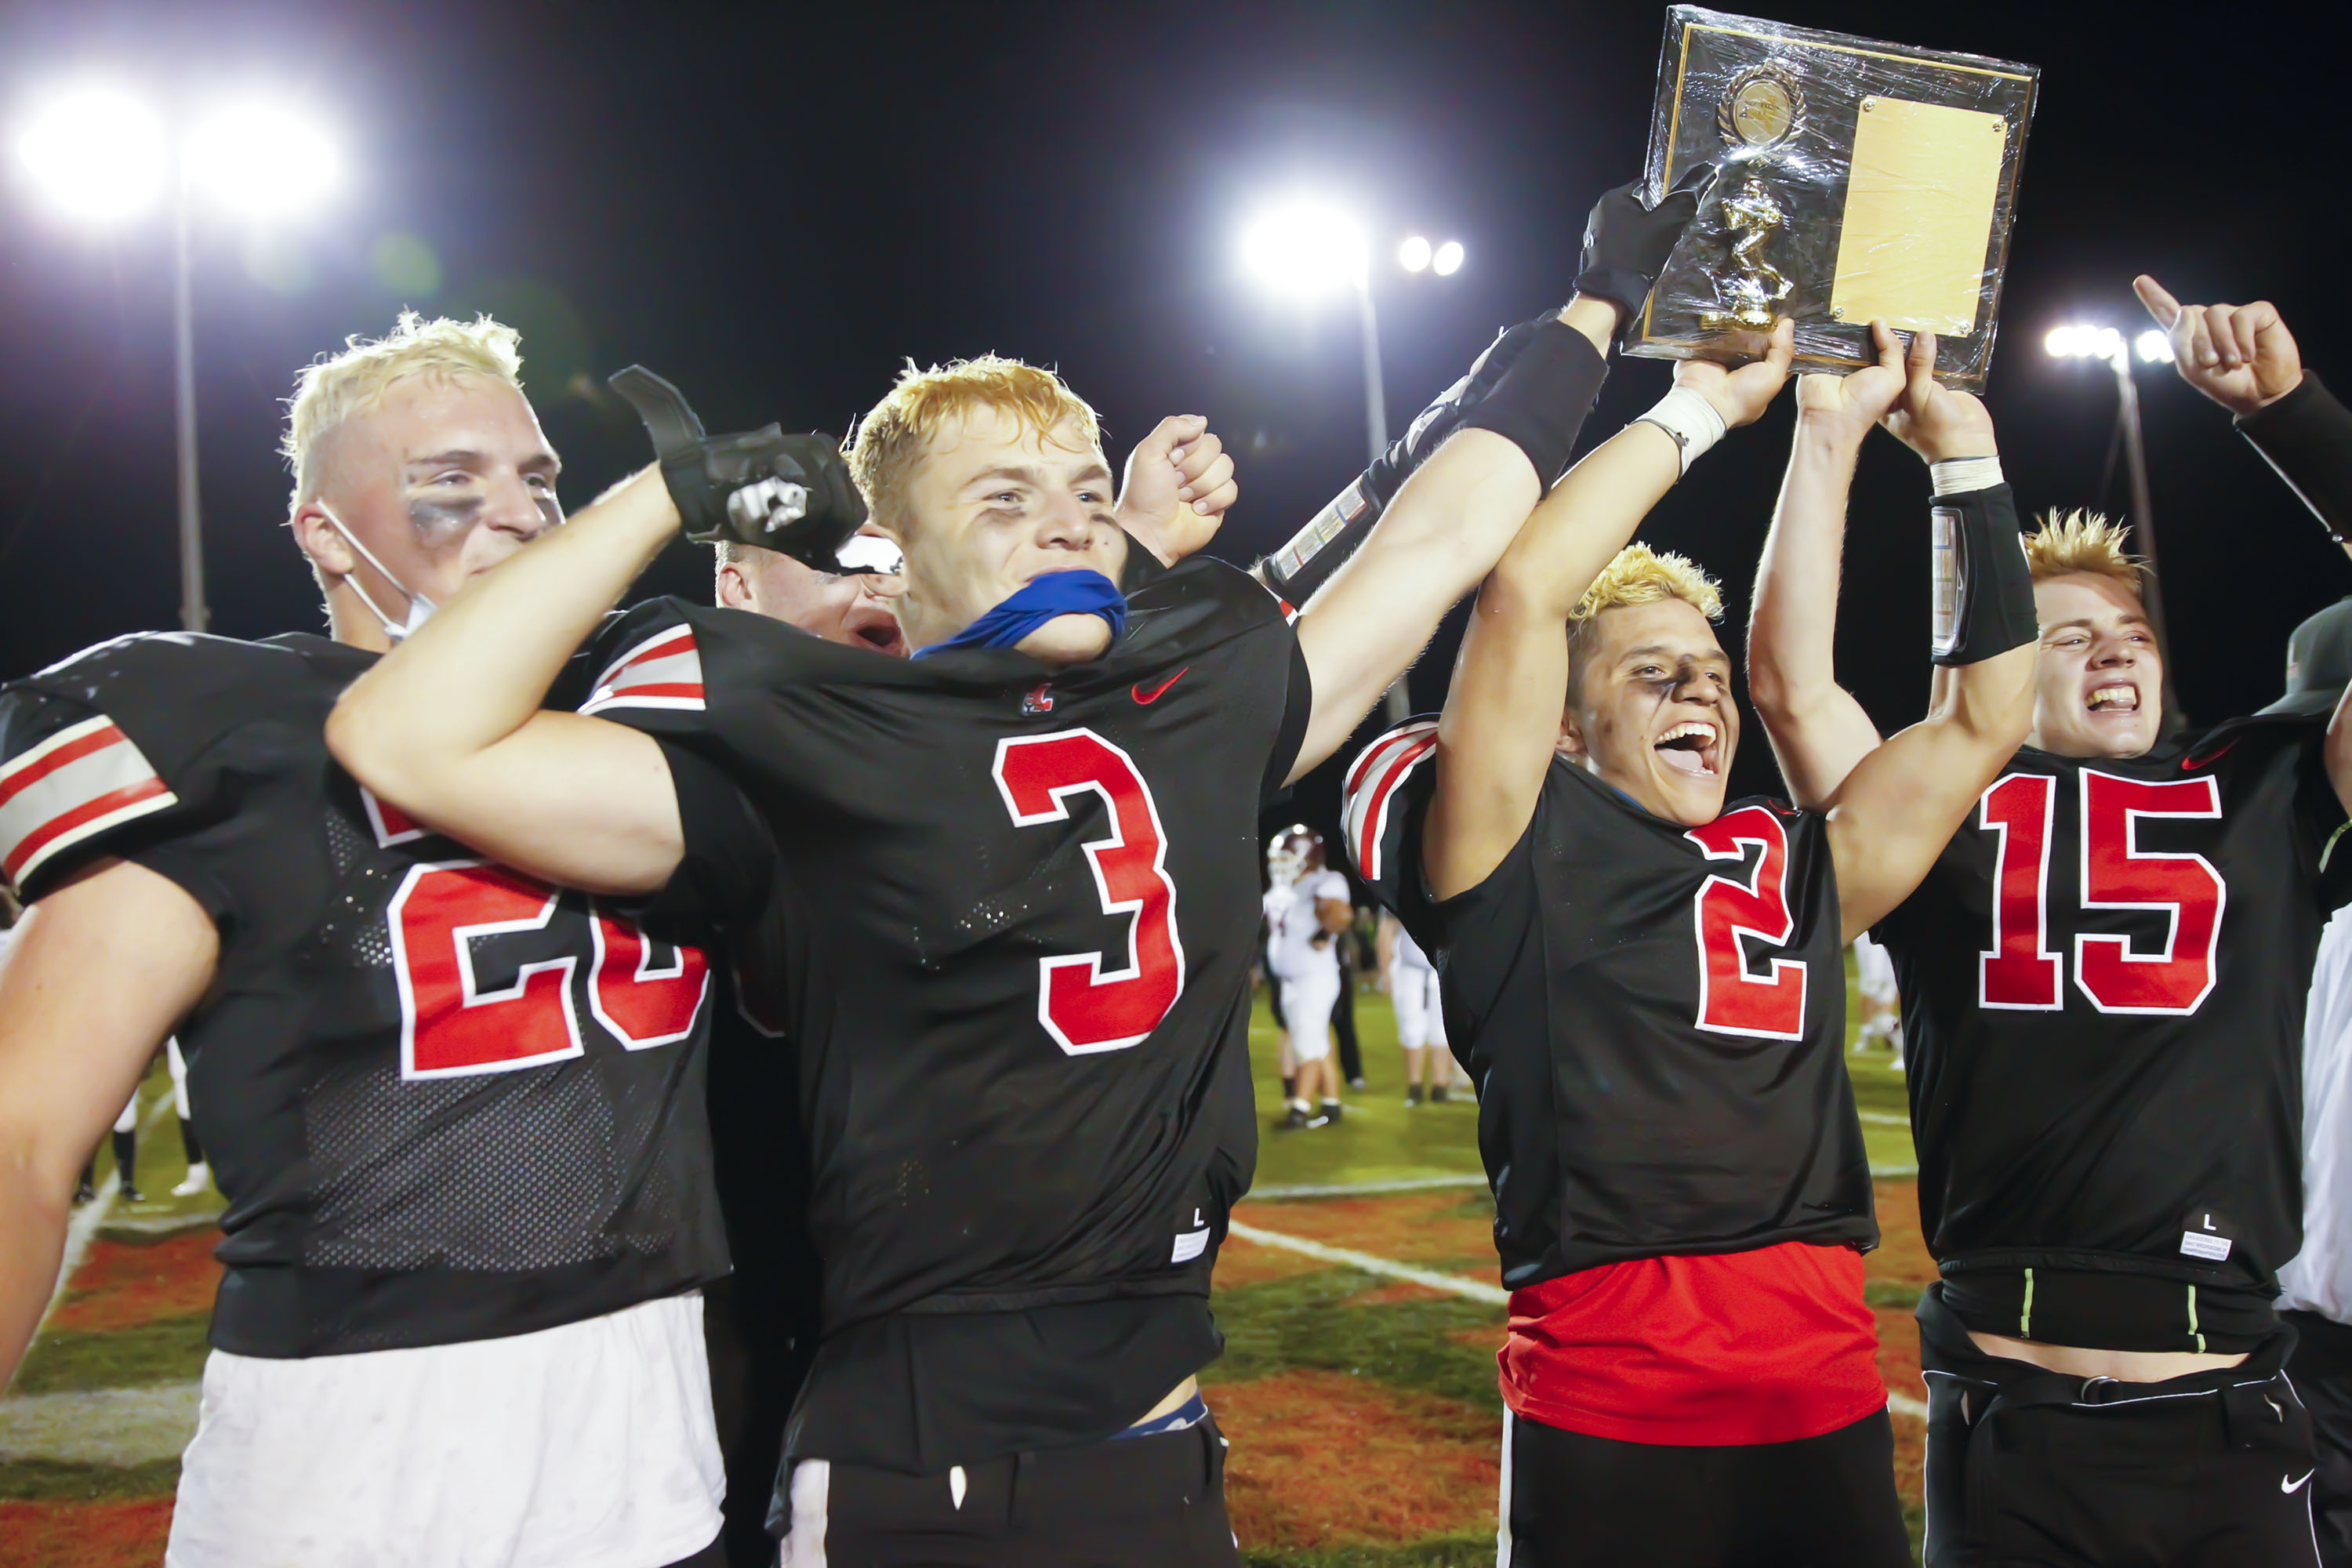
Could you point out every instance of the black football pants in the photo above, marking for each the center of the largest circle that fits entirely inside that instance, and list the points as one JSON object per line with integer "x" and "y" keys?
{"x": 2321, "y": 1366}
{"x": 2026, "y": 1468}
{"x": 1578, "y": 1501}
{"x": 1135, "y": 1502}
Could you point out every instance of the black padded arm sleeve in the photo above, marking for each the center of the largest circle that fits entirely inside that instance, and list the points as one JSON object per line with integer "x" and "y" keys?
{"x": 1984, "y": 588}
{"x": 2306, "y": 436}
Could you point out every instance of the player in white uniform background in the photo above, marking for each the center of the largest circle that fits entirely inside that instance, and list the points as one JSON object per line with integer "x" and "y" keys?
{"x": 1875, "y": 978}
{"x": 1410, "y": 981}
{"x": 1303, "y": 956}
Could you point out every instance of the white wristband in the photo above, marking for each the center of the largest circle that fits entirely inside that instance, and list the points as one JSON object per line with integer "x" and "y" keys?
{"x": 1957, "y": 476}
{"x": 1690, "y": 419}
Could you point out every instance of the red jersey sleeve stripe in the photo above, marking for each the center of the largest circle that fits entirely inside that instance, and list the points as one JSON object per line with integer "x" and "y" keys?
{"x": 78, "y": 784}
{"x": 663, "y": 672}
{"x": 1373, "y": 783}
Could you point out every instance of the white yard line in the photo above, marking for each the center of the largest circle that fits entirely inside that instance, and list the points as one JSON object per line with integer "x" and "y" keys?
{"x": 82, "y": 1228}
{"x": 1362, "y": 1189}
{"x": 1883, "y": 1118}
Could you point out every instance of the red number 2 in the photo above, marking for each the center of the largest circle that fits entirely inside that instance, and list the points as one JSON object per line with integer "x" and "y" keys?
{"x": 452, "y": 1024}
{"x": 1732, "y": 998}
{"x": 2021, "y": 972}
{"x": 1084, "y": 1008}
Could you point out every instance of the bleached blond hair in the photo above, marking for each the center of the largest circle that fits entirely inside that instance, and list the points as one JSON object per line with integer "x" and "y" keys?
{"x": 332, "y": 390}
{"x": 1638, "y": 575}
{"x": 882, "y": 449}
{"x": 2080, "y": 541}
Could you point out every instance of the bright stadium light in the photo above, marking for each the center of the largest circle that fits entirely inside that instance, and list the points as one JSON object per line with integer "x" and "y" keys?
{"x": 101, "y": 154}
{"x": 1304, "y": 248}
{"x": 97, "y": 153}
{"x": 261, "y": 160}
{"x": 1448, "y": 259}
{"x": 2155, "y": 347}
{"x": 1413, "y": 254}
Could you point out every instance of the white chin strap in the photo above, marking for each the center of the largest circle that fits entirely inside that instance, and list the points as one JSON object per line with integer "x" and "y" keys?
{"x": 420, "y": 609}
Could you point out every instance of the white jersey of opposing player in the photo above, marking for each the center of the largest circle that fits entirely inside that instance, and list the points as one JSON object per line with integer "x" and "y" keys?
{"x": 2319, "y": 1278}
{"x": 1874, "y": 972}
{"x": 1407, "y": 953}
{"x": 1293, "y": 953}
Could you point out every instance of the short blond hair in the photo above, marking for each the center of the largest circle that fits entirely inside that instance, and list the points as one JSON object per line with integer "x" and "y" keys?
{"x": 2080, "y": 541}
{"x": 1638, "y": 575}
{"x": 333, "y": 389}
{"x": 882, "y": 449}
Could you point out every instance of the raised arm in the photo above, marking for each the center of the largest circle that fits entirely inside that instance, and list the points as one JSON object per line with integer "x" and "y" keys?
{"x": 1515, "y": 419}
{"x": 1510, "y": 686}
{"x": 1817, "y": 729}
{"x": 101, "y": 969}
{"x": 448, "y": 726}
{"x": 1901, "y": 803}
{"x": 2243, "y": 358}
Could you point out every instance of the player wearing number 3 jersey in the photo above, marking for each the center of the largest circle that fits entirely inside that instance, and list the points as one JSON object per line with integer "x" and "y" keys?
{"x": 1023, "y": 1039}
{"x": 1648, "y": 986}
{"x": 2103, "y": 981}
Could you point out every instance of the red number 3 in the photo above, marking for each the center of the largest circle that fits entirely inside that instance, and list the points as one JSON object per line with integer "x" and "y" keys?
{"x": 1732, "y": 998}
{"x": 453, "y": 1023}
{"x": 1084, "y": 1008}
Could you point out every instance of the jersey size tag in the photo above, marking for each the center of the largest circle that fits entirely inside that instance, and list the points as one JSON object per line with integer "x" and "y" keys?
{"x": 2204, "y": 1234}
{"x": 1191, "y": 1244}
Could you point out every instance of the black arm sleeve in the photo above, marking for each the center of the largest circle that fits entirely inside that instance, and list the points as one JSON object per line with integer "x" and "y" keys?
{"x": 721, "y": 883}
{"x": 2306, "y": 436}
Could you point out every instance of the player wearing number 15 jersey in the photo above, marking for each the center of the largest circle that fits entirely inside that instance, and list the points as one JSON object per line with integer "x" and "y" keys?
{"x": 2103, "y": 981}
{"x": 1648, "y": 986}
{"x": 457, "y": 1113}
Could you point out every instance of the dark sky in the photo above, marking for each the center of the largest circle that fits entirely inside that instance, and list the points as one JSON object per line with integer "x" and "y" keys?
{"x": 773, "y": 205}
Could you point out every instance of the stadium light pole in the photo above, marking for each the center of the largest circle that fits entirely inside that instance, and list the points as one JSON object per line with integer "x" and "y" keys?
{"x": 101, "y": 154}
{"x": 2151, "y": 347}
{"x": 1306, "y": 249}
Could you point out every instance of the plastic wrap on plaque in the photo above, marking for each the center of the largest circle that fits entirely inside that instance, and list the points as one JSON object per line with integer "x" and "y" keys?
{"x": 1857, "y": 179}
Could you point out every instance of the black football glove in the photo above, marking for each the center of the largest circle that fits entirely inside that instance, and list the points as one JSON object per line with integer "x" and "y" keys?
{"x": 1627, "y": 241}
{"x": 792, "y": 494}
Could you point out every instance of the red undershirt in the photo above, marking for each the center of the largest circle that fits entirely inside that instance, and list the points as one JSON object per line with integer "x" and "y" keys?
{"x": 1767, "y": 1346}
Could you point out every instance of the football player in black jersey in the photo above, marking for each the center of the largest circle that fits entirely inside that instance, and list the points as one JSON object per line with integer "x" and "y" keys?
{"x": 2103, "y": 982}
{"x": 1023, "y": 1042}
{"x": 1649, "y": 987}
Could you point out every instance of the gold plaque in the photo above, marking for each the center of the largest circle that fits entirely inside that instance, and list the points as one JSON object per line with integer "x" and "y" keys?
{"x": 1855, "y": 179}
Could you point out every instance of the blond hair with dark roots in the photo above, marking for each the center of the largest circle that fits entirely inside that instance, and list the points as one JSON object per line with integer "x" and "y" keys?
{"x": 2084, "y": 540}
{"x": 883, "y": 448}
{"x": 1638, "y": 575}
{"x": 332, "y": 391}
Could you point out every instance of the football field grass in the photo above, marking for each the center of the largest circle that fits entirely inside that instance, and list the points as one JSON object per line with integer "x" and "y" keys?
{"x": 1358, "y": 1297}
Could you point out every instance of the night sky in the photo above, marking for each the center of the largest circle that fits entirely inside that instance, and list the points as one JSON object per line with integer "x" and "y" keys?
{"x": 774, "y": 205}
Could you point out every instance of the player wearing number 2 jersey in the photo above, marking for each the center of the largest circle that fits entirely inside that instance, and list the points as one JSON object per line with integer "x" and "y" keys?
{"x": 2103, "y": 983}
{"x": 1648, "y": 986}
{"x": 1023, "y": 1046}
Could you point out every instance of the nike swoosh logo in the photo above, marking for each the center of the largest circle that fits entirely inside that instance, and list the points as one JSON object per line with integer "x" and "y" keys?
{"x": 1147, "y": 699}
{"x": 2288, "y": 1486}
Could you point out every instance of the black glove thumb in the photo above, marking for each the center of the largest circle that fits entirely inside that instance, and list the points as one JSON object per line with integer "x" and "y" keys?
{"x": 787, "y": 493}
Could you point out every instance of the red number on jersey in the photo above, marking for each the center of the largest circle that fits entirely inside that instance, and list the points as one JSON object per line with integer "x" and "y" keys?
{"x": 2119, "y": 875}
{"x": 2019, "y": 972}
{"x": 642, "y": 1001}
{"x": 449, "y": 1026}
{"x": 1733, "y": 999}
{"x": 1085, "y": 1008}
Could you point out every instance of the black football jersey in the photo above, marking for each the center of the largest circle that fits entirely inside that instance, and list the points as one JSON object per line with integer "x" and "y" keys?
{"x": 1021, "y": 904}
{"x": 2103, "y": 983}
{"x": 445, "y": 1102}
{"x": 1655, "y": 1015}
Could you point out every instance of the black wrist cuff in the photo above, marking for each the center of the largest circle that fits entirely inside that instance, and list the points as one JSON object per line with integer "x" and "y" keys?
{"x": 2307, "y": 438}
{"x": 1620, "y": 286}
{"x": 1983, "y": 603}
{"x": 1541, "y": 401}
